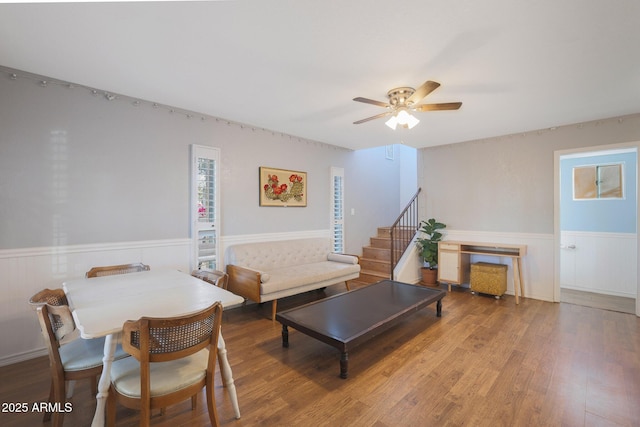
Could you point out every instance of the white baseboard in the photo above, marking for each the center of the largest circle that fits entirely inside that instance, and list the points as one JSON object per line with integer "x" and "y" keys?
{"x": 21, "y": 357}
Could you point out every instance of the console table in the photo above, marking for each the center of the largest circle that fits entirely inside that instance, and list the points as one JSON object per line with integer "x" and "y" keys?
{"x": 453, "y": 261}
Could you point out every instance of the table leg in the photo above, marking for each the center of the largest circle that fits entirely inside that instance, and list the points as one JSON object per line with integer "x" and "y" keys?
{"x": 516, "y": 281}
{"x": 227, "y": 375}
{"x": 285, "y": 336}
{"x": 439, "y": 308}
{"x": 519, "y": 262}
{"x": 344, "y": 365}
{"x": 110, "y": 343}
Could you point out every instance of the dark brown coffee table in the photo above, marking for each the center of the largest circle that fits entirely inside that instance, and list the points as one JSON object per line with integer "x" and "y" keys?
{"x": 347, "y": 320}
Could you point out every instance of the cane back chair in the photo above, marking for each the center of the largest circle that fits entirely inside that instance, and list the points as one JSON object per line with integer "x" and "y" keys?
{"x": 173, "y": 359}
{"x": 215, "y": 277}
{"x": 110, "y": 270}
{"x": 68, "y": 360}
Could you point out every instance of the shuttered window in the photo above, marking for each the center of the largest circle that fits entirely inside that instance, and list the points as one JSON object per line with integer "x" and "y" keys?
{"x": 337, "y": 209}
{"x": 205, "y": 196}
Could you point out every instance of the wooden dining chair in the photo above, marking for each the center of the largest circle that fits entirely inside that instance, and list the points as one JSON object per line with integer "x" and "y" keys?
{"x": 55, "y": 297}
{"x": 75, "y": 360}
{"x": 173, "y": 359}
{"x": 49, "y": 296}
{"x": 215, "y": 277}
{"x": 110, "y": 270}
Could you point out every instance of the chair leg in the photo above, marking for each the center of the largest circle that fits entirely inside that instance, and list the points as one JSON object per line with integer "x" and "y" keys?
{"x": 59, "y": 397}
{"x": 274, "y": 305}
{"x": 58, "y": 419}
{"x": 347, "y": 285}
{"x": 194, "y": 402}
{"x": 211, "y": 405}
{"x": 47, "y": 415}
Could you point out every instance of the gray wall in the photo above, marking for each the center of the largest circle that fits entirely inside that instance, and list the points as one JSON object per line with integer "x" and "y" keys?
{"x": 506, "y": 184}
{"x": 76, "y": 168}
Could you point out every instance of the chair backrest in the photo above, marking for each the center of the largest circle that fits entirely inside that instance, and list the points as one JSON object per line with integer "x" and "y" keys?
{"x": 151, "y": 339}
{"x": 110, "y": 270}
{"x": 215, "y": 277}
{"x": 56, "y": 322}
{"x": 49, "y": 296}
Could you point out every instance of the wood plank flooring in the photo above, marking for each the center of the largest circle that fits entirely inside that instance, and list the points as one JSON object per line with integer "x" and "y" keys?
{"x": 592, "y": 299}
{"x": 485, "y": 362}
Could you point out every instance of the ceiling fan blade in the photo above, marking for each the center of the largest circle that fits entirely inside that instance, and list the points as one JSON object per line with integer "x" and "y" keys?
{"x": 377, "y": 116}
{"x": 438, "y": 107}
{"x": 371, "y": 101}
{"x": 423, "y": 91}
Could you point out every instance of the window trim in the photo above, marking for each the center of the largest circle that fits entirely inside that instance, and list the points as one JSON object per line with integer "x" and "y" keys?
{"x": 211, "y": 153}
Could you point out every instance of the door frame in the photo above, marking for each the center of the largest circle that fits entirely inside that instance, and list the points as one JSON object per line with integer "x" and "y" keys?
{"x": 556, "y": 209}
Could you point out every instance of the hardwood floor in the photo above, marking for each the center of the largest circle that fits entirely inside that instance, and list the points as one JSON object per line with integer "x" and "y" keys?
{"x": 485, "y": 362}
{"x": 591, "y": 299}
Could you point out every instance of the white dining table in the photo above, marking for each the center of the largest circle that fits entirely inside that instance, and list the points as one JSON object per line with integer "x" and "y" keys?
{"x": 101, "y": 305}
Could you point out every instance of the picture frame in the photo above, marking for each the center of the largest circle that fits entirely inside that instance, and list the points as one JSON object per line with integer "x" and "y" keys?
{"x": 282, "y": 187}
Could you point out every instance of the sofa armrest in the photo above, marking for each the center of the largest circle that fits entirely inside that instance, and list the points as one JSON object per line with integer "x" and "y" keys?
{"x": 345, "y": 258}
{"x": 244, "y": 282}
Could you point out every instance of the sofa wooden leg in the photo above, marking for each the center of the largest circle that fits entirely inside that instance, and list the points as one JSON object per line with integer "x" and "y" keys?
{"x": 274, "y": 305}
{"x": 347, "y": 284}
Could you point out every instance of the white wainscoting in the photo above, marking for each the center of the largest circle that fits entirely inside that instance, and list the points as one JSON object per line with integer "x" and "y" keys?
{"x": 604, "y": 263}
{"x": 27, "y": 271}
{"x": 537, "y": 265}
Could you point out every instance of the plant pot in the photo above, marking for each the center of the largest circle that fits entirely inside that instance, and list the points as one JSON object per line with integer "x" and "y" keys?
{"x": 429, "y": 276}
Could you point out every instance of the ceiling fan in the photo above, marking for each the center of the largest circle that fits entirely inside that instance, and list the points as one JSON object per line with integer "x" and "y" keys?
{"x": 403, "y": 101}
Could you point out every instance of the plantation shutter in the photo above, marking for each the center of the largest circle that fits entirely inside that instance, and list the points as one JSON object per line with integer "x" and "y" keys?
{"x": 205, "y": 196}
{"x": 337, "y": 209}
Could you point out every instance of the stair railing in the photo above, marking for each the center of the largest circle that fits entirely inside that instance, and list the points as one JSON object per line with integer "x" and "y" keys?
{"x": 403, "y": 230}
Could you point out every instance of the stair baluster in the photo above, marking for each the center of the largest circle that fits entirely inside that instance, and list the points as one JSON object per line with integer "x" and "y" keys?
{"x": 403, "y": 230}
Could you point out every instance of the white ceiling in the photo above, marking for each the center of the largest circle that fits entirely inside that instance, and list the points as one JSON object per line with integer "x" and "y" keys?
{"x": 294, "y": 66}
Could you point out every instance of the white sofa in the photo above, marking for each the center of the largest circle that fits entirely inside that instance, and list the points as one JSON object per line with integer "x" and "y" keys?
{"x": 266, "y": 271}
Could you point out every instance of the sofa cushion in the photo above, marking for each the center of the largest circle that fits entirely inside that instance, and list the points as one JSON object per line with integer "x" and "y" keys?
{"x": 304, "y": 274}
{"x": 267, "y": 256}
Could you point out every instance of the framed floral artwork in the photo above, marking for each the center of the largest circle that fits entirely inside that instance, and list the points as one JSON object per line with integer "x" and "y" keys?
{"x": 281, "y": 187}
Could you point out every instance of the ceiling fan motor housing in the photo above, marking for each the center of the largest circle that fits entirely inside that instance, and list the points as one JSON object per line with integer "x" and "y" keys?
{"x": 398, "y": 96}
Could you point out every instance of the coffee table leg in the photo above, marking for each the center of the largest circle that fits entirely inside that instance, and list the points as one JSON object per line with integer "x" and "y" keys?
{"x": 344, "y": 364}
{"x": 439, "y": 308}
{"x": 285, "y": 336}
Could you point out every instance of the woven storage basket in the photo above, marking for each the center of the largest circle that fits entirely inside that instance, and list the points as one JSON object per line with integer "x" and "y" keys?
{"x": 487, "y": 278}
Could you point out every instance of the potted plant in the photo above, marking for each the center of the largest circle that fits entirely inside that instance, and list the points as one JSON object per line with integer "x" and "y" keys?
{"x": 428, "y": 247}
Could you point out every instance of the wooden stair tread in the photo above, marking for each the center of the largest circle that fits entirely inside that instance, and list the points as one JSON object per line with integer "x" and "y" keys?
{"x": 375, "y": 261}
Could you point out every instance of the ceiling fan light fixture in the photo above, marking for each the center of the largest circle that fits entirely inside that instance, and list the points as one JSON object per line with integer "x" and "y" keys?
{"x": 392, "y": 122}
{"x": 412, "y": 121}
{"x": 402, "y": 118}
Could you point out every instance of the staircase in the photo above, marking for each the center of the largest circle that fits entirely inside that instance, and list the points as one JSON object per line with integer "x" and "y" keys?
{"x": 380, "y": 258}
{"x": 375, "y": 262}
